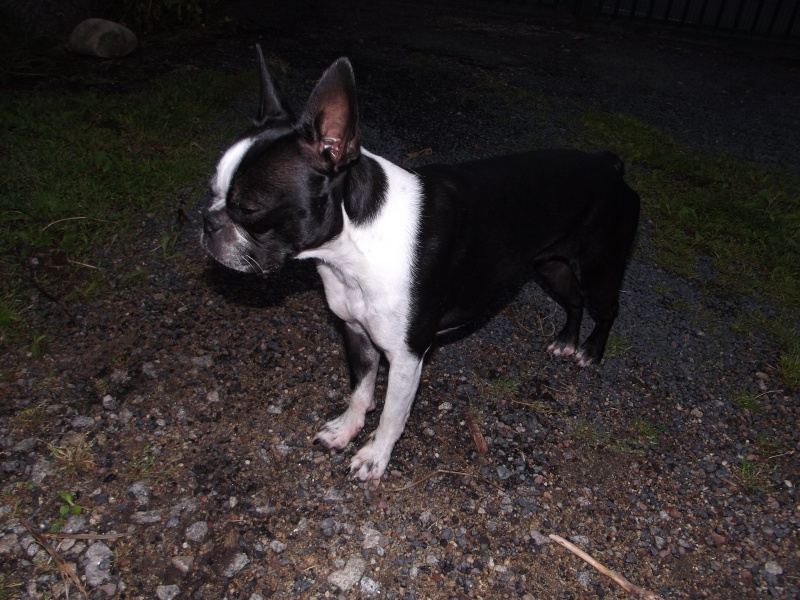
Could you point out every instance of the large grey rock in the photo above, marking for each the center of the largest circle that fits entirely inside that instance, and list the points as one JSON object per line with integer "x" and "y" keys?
{"x": 103, "y": 39}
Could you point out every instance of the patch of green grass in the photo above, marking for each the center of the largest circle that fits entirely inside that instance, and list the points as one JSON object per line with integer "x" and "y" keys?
{"x": 588, "y": 434}
{"x": 647, "y": 431}
{"x": 502, "y": 388}
{"x": 75, "y": 458}
{"x": 80, "y": 170}
{"x": 29, "y": 420}
{"x": 767, "y": 443}
{"x": 743, "y": 216}
{"x": 752, "y": 478}
{"x": 744, "y": 400}
{"x": 146, "y": 466}
{"x": 9, "y": 588}
{"x": 789, "y": 366}
{"x": 617, "y": 347}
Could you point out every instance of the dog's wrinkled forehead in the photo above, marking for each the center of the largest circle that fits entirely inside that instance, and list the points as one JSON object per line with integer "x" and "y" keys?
{"x": 242, "y": 153}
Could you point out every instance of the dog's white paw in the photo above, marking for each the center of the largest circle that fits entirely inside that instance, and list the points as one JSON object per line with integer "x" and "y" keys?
{"x": 338, "y": 432}
{"x": 369, "y": 462}
{"x": 561, "y": 349}
{"x": 583, "y": 360}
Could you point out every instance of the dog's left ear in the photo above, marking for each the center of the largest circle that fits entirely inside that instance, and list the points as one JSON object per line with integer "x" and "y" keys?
{"x": 330, "y": 121}
{"x": 272, "y": 104}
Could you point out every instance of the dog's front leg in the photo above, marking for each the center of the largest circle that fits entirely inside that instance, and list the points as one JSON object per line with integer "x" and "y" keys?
{"x": 404, "y": 374}
{"x": 363, "y": 359}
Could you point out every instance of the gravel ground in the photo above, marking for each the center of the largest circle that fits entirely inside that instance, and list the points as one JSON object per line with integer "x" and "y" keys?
{"x": 195, "y": 393}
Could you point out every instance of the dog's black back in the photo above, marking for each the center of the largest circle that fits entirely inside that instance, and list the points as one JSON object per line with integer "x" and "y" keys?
{"x": 569, "y": 213}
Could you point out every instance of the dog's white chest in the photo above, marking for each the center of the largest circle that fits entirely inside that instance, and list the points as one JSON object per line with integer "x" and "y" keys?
{"x": 366, "y": 269}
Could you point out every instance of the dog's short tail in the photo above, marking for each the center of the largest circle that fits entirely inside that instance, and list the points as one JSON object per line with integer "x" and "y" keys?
{"x": 615, "y": 161}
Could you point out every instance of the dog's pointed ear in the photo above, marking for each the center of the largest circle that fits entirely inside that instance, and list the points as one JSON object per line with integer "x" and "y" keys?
{"x": 272, "y": 105}
{"x": 330, "y": 122}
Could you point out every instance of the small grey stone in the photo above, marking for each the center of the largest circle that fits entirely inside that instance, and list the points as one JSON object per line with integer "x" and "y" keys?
{"x": 12, "y": 466}
{"x": 538, "y": 538}
{"x": 333, "y": 495}
{"x": 183, "y": 564}
{"x": 26, "y": 445}
{"x": 167, "y": 592}
{"x": 256, "y": 596}
{"x": 773, "y": 568}
{"x": 140, "y": 492}
{"x": 41, "y": 470}
{"x": 125, "y": 416}
{"x": 373, "y": 538}
{"x": 277, "y": 546}
{"x": 98, "y": 564}
{"x": 196, "y": 532}
{"x": 580, "y": 540}
{"x": 147, "y": 517}
{"x": 82, "y": 422}
{"x": 203, "y": 362}
{"x": 9, "y": 544}
{"x": 110, "y": 403}
{"x": 119, "y": 377}
{"x": 503, "y": 472}
{"x": 236, "y": 564}
{"x": 74, "y": 524}
{"x": 370, "y": 587}
{"x": 584, "y": 578}
{"x": 149, "y": 369}
{"x": 347, "y": 577}
{"x": 186, "y": 506}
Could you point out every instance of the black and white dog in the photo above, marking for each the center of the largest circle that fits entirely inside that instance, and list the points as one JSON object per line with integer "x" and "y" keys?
{"x": 405, "y": 255}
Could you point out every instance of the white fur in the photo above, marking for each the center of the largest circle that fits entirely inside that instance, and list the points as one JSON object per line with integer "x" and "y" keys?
{"x": 225, "y": 169}
{"x": 367, "y": 272}
{"x": 367, "y": 269}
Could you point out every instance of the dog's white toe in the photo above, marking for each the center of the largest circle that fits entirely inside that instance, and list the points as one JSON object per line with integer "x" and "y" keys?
{"x": 338, "y": 432}
{"x": 369, "y": 463}
{"x": 561, "y": 350}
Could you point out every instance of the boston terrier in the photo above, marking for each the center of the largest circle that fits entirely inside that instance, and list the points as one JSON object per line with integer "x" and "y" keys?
{"x": 405, "y": 255}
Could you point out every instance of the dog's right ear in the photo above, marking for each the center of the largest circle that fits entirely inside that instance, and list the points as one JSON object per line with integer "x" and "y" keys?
{"x": 272, "y": 105}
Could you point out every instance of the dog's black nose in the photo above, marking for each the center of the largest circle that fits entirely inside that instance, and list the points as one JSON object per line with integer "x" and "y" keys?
{"x": 211, "y": 222}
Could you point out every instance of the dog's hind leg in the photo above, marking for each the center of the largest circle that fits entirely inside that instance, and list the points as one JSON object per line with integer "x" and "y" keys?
{"x": 558, "y": 280}
{"x": 601, "y": 283}
{"x": 362, "y": 359}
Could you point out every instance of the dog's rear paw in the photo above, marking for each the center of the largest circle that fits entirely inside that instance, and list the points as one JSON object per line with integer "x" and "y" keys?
{"x": 562, "y": 349}
{"x": 369, "y": 463}
{"x": 582, "y": 359}
{"x": 338, "y": 432}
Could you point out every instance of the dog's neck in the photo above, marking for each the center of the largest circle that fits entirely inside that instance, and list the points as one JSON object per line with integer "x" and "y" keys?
{"x": 363, "y": 189}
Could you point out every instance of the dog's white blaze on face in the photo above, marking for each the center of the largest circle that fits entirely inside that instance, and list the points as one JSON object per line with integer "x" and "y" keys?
{"x": 380, "y": 254}
{"x": 225, "y": 169}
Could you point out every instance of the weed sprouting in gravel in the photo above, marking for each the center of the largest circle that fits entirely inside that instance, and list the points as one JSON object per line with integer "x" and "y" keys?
{"x": 753, "y": 477}
{"x": 617, "y": 347}
{"x": 744, "y": 400}
{"x": 66, "y": 507}
{"x": 30, "y": 420}
{"x": 75, "y": 458}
